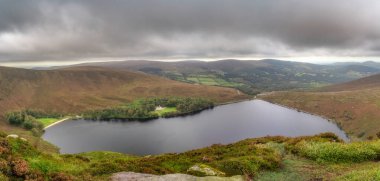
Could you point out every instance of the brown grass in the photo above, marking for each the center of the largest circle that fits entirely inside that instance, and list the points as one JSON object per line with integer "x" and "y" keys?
{"x": 357, "y": 112}
{"x": 355, "y": 105}
{"x": 78, "y": 89}
{"x": 371, "y": 82}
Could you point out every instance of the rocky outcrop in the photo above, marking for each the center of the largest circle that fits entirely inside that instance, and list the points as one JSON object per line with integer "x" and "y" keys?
{"x": 132, "y": 176}
{"x": 205, "y": 170}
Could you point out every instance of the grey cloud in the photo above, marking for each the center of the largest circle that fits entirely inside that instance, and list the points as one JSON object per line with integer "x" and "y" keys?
{"x": 58, "y": 29}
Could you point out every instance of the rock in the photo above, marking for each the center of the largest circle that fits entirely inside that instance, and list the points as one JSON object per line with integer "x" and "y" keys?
{"x": 16, "y": 136}
{"x": 205, "y": 170}
{"x": 12, "y": 136}
{"x": 132, "y": 176}
{"x": 206, "y": 159}
{"x": 129, "y": 176}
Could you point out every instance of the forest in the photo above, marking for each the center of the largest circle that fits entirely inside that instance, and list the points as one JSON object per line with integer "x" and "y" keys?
{"x": 145, "y": 109}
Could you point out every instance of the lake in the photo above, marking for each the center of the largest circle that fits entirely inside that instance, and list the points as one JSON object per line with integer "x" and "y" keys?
{"x": 222, "y": 124}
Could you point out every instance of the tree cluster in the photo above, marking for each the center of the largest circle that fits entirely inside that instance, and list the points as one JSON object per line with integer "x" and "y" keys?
{"x": 144, "y": 109}
{"x": 23, "y": 119}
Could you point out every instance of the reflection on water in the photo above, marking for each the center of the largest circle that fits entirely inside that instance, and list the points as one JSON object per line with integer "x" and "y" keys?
{"x": 223, "y": 124}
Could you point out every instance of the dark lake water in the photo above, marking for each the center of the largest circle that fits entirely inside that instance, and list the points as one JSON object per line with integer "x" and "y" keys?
{"x": 223, "y": 124}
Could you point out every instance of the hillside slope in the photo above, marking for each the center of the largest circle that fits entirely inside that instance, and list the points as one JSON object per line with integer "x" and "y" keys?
{"x": 250, "y": 75}
{"x": 363, "y": 83}
{"x": 354, "y": 105}
{"x": 319, "y": 157}
{"x": 82, "y": 88}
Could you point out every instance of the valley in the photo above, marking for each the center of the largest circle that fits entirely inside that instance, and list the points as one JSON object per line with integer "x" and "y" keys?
{"x": 135, "y": 105}
{"x": 251, "y": 76}
{"x": 189, "y": 90}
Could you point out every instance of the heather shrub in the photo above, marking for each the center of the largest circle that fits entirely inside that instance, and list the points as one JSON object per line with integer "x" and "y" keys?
{"x": 60, "y": 176}
{"x": 360, "y": 175}
{"x": 3, "y": 177}
{"x": 4, "y": 166}
{"x": 20, "y": 167}
{"x": 339, "y": 152}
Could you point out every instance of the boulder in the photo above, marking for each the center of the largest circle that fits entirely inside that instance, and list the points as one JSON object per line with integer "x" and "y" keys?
{"x": 205, "y": 170}
{"x": 12, "y": 136}
{"x": 132, "y": 176}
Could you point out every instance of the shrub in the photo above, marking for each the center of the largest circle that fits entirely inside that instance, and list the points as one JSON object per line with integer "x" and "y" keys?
{"x": 4, "y": 167}
{"x": 3, "y": 177}
{"x": 15, "y": 118}
{"x": 43, "y": 165}
{"x": 60, "y": 176}
{"x": 30, "y": 123}
{"x": 323, "y": 137}
{"x": 3, "y": 135}
{"x": 339, "y": 152}
{"x": 359, "y": 175}
{"x": 105, "y": 168}
{"x": 20, "y": 167}
{"x": 4, "y": 147}
{"x": 240, "y": 166}
{"x": 25, "y": 120}
{"x": 35, "y": 175}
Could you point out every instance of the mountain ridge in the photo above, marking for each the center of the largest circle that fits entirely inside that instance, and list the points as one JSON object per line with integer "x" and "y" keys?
{"x": 250, "y": 76}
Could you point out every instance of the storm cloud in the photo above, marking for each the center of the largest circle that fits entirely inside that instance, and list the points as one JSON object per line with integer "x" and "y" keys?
{"x": 63, "y": 30}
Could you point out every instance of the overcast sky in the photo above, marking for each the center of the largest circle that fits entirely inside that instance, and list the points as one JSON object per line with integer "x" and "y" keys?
{"x": 68, "y": 31}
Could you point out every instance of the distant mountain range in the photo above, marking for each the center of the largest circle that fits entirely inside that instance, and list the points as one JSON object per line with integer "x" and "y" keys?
{"x": 251, "y": 76}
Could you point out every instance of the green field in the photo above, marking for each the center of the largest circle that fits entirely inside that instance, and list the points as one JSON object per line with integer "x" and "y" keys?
{"x": 166, "y": 110}
{"x": 47, "y": 121}
{"x": 209, "y": 79}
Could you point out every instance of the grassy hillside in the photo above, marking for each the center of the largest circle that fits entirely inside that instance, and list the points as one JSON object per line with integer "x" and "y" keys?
{"x": 355, "y": 105}
{"x": 73, "y": 90}
{"x": 251, "y": 76}
{"x": 267, "y": 158}
{"x": 371, "y": 82}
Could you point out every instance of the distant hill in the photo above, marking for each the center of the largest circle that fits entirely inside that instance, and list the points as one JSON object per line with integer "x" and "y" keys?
{"x": 363, "y": 83}
{"x": 251, "y": 76}
{"x": 81, "y": 88}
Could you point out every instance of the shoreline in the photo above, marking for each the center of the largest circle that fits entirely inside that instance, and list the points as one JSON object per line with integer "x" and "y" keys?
{"x": 177, "y": 114}
{"x": 55, "y": 123}
{"x": 236, "y": 101}
{"x": 314, "y": 114}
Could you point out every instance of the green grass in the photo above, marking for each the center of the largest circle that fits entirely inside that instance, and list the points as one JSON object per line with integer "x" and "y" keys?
{"x": 339, "y": 152}
{"x": 166, "y": 110}
{"x": 267, "y": 158}
{"x": 212, "y": 80}
{"x": 207, "y": 81}
{"x": 360, "y": 175}
{"x": 47, "y": 121}
{"x": 193, "y": 79}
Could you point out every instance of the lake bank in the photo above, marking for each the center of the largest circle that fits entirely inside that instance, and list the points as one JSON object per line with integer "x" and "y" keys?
{"x": 56, "y": 122}
{"x": 306, "y": 112}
